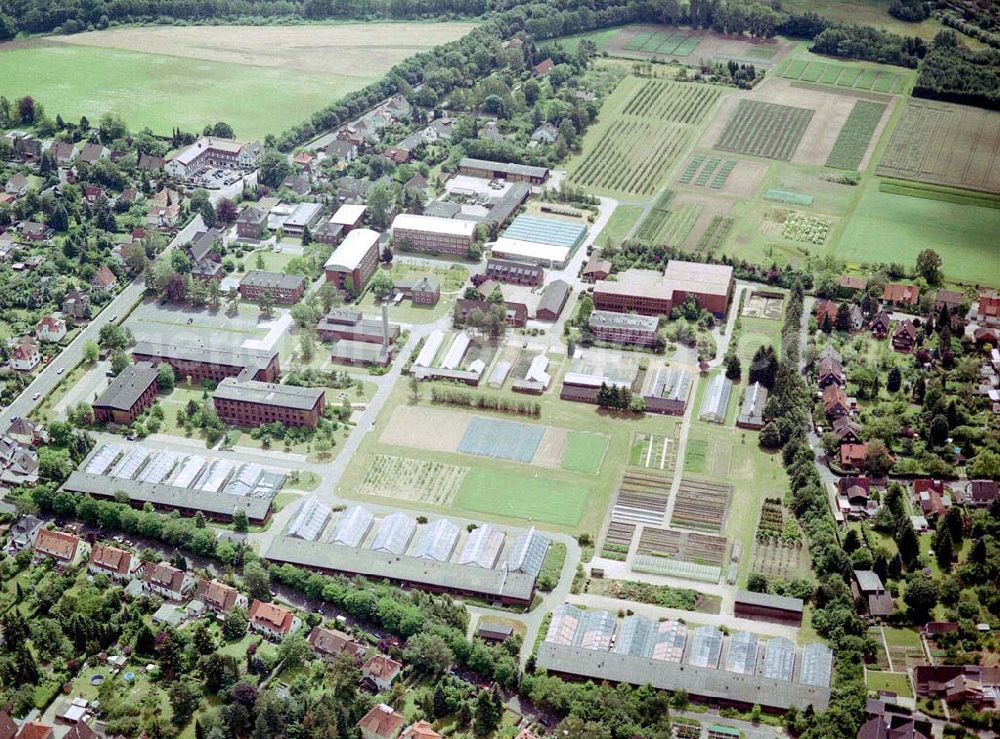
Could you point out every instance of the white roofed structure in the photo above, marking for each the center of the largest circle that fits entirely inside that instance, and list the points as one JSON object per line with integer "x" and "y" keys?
{"x": 430, "y": 349}
{"x": 527, "y": 552}
{"x": 102, "y": 459}
{"x": 352, "y": 250}
{"x": 434, "y": 225}
{"x": 158, "y": 468}
{"x": 352, "y": 526}
{"x": 456, "y": 351}
{"x": 309, "y": 521}
{"x": 438, "y": 541}
{"x": 188, "y": 472}
{"x": 394, "y": 533}
{"x": 706, "y": 647}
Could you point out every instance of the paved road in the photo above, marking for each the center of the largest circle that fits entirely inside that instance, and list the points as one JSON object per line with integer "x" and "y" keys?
{"x": 47, "y": 379}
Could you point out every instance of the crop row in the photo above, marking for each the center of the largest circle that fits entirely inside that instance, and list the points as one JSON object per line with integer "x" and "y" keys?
{"x": 855, "y": 136}
{"x": 765, "y": 129}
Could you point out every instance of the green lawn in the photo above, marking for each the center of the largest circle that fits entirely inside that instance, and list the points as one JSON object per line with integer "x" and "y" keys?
{"x": 584, "y": 452}
{"x": 694, "y": 455}
{"x": 896, "y": 682}
{"x": 522, "y": 496}
{"x": 901, "y": 637}
{"x": 621, "y": 222}
{"x": 894, "y": 228}
{"x": 163, "y": 91}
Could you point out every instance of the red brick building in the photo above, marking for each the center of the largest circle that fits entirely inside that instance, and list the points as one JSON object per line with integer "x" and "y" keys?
{"x": 651, "y": 293}
{"x": 354, "y": 261}
{"x": 248, "y": 404}
{"x": 128, "y": 395}
{"x": 211, "y": 363}
{"x": 251, "y": 223}
{"x": 345, "y": 324}
{"x": 514, "y": 273}
{"x": 282, "y": 288}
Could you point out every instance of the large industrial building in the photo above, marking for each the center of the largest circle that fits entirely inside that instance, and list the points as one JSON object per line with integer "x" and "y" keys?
{"x": 652, "y": 293}
{"x": 202, "y": 362}
{"x": 432, "y": 235}
{"x": 547, "y": 242}
{"x": 354, "y": 261}
{"x": 249, "y": 403}
{"x": 732, "y": 670}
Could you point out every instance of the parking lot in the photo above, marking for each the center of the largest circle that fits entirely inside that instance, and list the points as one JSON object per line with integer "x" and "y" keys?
{"x": 173, "y": 324}
{"x": 215, "y": 177}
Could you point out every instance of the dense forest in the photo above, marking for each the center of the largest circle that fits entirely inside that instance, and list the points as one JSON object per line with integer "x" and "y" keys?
{"x": 957, "y": 74}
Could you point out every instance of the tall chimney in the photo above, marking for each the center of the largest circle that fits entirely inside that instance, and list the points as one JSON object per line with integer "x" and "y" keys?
{"x": 385, "y": 326}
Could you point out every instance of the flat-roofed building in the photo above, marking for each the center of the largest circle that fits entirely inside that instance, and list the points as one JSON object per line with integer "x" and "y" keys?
{"x": 353, "y": 261}
{"x": 305, "y": 215}
{"x": 649, "y": 292}
{"x": 249, "y": 403}
{"x": 432, "y": 235}
{"x": 204, "y": 362}
{"x": 503, "y": 171}
{"x": 767, "y": 607}
{"x": 128, "y": 395}
{"x": 623, "y": 328}
{"x": 360, "y": 353}
{"x": 281, "y": 288}
{"x": 348, "y": 216}
{"x": 548, "y": 242}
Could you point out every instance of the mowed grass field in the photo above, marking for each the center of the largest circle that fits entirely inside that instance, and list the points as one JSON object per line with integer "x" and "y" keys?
{"x": 260, "y": 80}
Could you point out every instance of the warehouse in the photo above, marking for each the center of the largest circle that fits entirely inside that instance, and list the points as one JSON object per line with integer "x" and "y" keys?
{"x": 548, "y": 242}
{"x": 432, "y": 235}
{"x": 488, "y": 170}
{"x": 652, "y": 293}
{"x": 765, "y": 607}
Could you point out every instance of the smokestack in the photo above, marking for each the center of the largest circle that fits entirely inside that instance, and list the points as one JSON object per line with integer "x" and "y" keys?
{"x": 385, "y": 326}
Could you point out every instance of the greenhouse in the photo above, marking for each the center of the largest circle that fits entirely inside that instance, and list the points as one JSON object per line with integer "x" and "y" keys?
{"x": 394, "y": 533}
{"x": 352, "y": 527}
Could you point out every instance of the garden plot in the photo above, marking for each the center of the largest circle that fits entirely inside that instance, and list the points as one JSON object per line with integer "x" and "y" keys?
{"x": 710, "y": 215}
{"x": 701, "y": 505}
{"x": 414, "y": 480}
{"x": 488, "y": 437}
{"x": 664, "y": 43}
{"x": 639, "y": 508}
{"x": 618, "y": 540}
{"x": 769, "y": 122}
{"x": 884, "y": 80}
{"x": 945, "y": 144}
{"x": 855, "y": 137}
{"x": 584, "y": 452}
{"x": 778, "y": 549}
{"x": 738, "y": 177}
{"x": 764, "y": 305}
{"x": 409, "y": 427}
{"x": 654, "y": 452}
{"x": 680, "y": 553}
{"x": 638, "y": 482}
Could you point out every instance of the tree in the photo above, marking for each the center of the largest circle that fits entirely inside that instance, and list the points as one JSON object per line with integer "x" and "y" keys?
{"x": 273, "y": 167}
{"x": 895, "y": 380}
{"x": 293, "y": 651}
{"x": 381, "y": 199}
{"x": 906, "y": 542}
{"x": 733, "y": 368}
{"x": 429, "y": 654}
{"x": 956, "y": 524}
{"x": 944, "y": 547}
{"x": 266, "y": 304}
{"x": 226, "y": 211}
{"x": 757, "y": 583}
{"x": 185, "y": 697}
{"x": 119, "y": 361}
{"x": 240, "y": 522}
{"x": 985, "y": 465}
{"x": 26, "y": 110}
{"x": 90, "y": 352}
{"x": 763, "y": 367}
{"x": 381, "y": 283}
{"x": 165, "y": 379}
{"x": 257, "y": 581}
{"x": 488, "y": 713}
{"x": 770, "y": 436}
{"x": 920, "y": 598}
{"x": 929, "y": 266}
{"x": 234, "y": 624}
{"x": 878, "y": 460}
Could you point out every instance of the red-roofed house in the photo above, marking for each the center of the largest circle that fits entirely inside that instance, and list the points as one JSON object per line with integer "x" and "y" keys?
{"x": 932, "y": 497}
{"x": 989, "y": 310}
{"x": 24, "y": 357}
{"x": 103, "y": 278}
{"x": 981, "y": 493}
{"x": 543, "y": 68}
{"x": 331, "y": 642}
{"x": 381, "y": 670}
{"x": 35, "y": 730}
{"x": 115, "y": 563}
{"x": 272, "y": 620}
{"x": 65, "y": 549}
{"x": 835, "y": 402}
{"x": 381, "y": 723}
{"x": 852, "y": 456}
{"x": 219, "y": 597}
{"x": 826, "y": 309}
{"x": 167, "y": 581}
{"x": 899, "y": 294}
{"x": 8, "y": 729}
{"x": 50, "y": 329}
{"x": 420, "y": 730}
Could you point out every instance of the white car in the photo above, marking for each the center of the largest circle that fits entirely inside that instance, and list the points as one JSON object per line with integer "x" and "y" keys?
{"x": 36, "y": 396}
{"x": 60, "y": 370}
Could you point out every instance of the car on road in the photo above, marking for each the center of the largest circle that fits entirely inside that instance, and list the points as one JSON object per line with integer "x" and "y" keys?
{"x": 60, "y": 370}
{"x": 190, "y": 321}
{"x": 36, "y": 396}
{"x": 113, "y": 318}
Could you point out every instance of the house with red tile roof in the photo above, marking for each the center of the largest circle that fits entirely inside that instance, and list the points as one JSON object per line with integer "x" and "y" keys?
{"x": 113, "y": 562}
{"x": 852, "y": 456}
{"x": 35, "y": 730}
{"x": 835, "y": 402}
{"x": 381, "y": 723}
{"x": 103, "y": 278}
{"x": 543, "y": 68}
{"x": 25, "y": 356}
{"x": 900, "y": 294}
{"x": 381, "y": 670}
{"x": 332, "y": 642}
{"x": 219, "y": 597}
{"x": 420, "y": 730}
{"x": 167, "y": 581}
{"x": 50, "y": 329}
{"x": 988, "y": 313}
{"x": 64, "y": 548}
{"x": 272, "y": 620}
{"x": 8, "y": 729}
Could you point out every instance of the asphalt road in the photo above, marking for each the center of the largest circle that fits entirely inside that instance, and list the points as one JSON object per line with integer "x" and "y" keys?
{"x": 46, "y": 380}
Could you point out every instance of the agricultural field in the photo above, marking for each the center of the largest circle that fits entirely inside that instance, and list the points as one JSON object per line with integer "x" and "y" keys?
{"x": 413, "y": 479}
{"x": 522, "y": 496}
{"x": 704, "y": 171}
{"x": 799, "y": 227}
{"x": 945, "y": 144}
{"x": 778, "y": 548}
{"x": 665, "y": 43}
{"x": 163, "y": 77}
{"x": 765, "y": 129}
{"x": 644, "y": 127}
{"x": 701, "y": 505}
{"x": 737, "y": 177}
{"x": 855, "y": 137}
{"x": 890, "y": 227}
{"x": 651, "y": 451}
{"x": 855, "y": 77}
{"x": 618, "y": 226}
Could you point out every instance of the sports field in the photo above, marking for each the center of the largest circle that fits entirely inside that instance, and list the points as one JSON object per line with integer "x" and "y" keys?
{"x": 259, "y": 79}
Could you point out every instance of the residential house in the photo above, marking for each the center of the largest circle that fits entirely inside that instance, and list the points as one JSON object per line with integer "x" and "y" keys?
{"x": 933, "y": 497}
{"x": 976, "y": 685}
{"x": 35, "y": 730}
{"x": 167, "y": 581}
{"x": 948, "y": 298}
{"x": 381, "y": 722}
{"x": 854, "y": 499}
{"x": 852, "y": 284}
{"x": 547, "y": 133}
{"x": 899, "y": 294}
{"x": 982, "y": 493}
{"x": 93, "y": 153}
{"x": 273, "y": 621}
{"x": 130, "y": 196}
{"x": 251, "y": 223}
{"x": 596, "y": 268}
{"x": 151, "y": 163}
{"x": 80, "y": 730}
{"x": 65, "y": 549}
{"x": 332, "y": 643}
{"x": 50, "y": 329}
{"x": 826, "y": 310}
{"x": 19, "y": 464}
{"x": 8, "y": 729}
{"x": 871, "y": 593}
{"x": 904, "y": 336}
{"x": 92, "y": 192}
{"x": 880, "y": 325}
{"x": 219, "y": 597}
{"x": 23, "y": 533}
{"x": 206, "y": 263}
{"x": 396, "y": 155}
{"x": 344, "y": 151}
{"x": 857, "y": 317}
{"x": 104, "y": 278}
{"x": 418, "y": 183}
{"x": 848, "y": 431}
{"x": 988, "y": 312}
{"x": 420, "y": 730}
{"x": 830, "y": 372}
{"x": 117, "y": 564}
{"x": 17, "y": 185}
{"x": 163, "y": 216}
{"x": 381, "y": 671}
{"x": 835, "y": 402}
{"x": 297, "y": 183}
{"x": 24, "y": 357}
{"x": 888, "y": 721}
{"x": 33, "y": 231}
{"x": 76, "y": 305}
{"x": 25, "y": 432}
{"x": 852, "y": 456}
{"x": 64, "y": 152}
{"x": 543, "y": 68}
{"x": 425, "y": 290}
